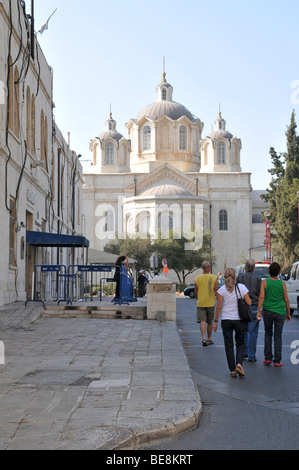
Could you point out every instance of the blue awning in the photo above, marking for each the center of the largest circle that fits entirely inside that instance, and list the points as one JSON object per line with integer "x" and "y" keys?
{"x": 55, "y": 239}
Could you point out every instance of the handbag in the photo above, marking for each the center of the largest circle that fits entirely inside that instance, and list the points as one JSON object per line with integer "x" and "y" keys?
{"x": 243, "y": 308}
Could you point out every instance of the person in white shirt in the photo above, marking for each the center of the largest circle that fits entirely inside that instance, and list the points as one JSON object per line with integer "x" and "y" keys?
{"x": 230, "y": 321}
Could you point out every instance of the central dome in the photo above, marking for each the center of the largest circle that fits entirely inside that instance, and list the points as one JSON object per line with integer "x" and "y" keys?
{"x": 171, "y": 109}
{"x": 165, "y": 190}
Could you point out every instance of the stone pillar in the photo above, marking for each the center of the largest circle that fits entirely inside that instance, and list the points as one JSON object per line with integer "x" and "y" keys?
{"x": 161, "y": 299}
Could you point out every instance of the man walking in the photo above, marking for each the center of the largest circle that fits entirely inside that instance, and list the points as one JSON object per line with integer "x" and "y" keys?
{"x": 253, "y": 284}
{"x": 206, "y": 286}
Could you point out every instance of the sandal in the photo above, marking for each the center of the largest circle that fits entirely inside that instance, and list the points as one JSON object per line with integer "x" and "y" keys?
{"x": 239, "y": 370}
{"x": 233, "y": 374}
{"x": 204, "y": 342}
{"x": 210, "y": 341}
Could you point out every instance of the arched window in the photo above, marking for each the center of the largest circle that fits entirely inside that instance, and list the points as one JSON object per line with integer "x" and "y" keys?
{"x": 147, "y": 132}
{"x": 223, "y": 225}
{"x": 109, "y": 154}
{"x": 221, "y": 153}
{"x": 183, "y": 138}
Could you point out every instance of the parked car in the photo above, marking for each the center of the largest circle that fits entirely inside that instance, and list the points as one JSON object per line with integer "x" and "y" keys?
{"x": 261, "y": 269}
{"x": 292, "y": 284}
{"x": 189, "y": 291}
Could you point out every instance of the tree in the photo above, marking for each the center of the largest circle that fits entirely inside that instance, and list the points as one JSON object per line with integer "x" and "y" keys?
{"x": 283, "y": 198}
{"x": 182, "y": 261}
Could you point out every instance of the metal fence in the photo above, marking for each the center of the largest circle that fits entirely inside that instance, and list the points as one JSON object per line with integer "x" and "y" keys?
{"x": 82, "y": 283}
{"x": 49, "y": 283}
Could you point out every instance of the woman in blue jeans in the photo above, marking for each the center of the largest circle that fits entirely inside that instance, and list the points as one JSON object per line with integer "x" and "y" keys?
{"x": 231, "y": 323}
{"x": 276, "y": 309}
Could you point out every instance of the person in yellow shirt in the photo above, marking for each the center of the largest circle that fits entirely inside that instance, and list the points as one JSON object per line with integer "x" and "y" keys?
{"x": 206, "y": 286}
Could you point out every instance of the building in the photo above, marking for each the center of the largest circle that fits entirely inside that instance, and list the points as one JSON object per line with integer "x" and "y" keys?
{"x": 40, "y": 176}
{"x": 167, "y": 173}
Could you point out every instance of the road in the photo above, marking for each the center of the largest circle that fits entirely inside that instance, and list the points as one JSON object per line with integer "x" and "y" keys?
{"x": 257, "y": 412}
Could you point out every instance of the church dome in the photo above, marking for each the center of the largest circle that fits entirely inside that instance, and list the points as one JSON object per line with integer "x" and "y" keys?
{"x": 166, "y": 190}
{"x": 110, "y": 135}
{"x": 215, "y": 135}
{"x": 110, "y": 132}
{"x": 220, "y": 130}
{"x": 171, "y": 109}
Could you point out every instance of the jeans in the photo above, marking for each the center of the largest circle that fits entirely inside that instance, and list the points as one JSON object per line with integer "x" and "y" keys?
{"x": 251, "y": 334}
{"x": 229, "y": 327}
{"x": 273, "y": 321}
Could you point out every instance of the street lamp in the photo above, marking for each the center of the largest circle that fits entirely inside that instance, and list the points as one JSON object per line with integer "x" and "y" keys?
{"x": 267, "y": 237}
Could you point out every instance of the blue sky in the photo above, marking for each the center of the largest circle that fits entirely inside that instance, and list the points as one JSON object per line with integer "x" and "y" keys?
{"x": 243, "y": 55}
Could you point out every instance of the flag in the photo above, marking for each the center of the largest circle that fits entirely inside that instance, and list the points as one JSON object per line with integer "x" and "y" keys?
{"x": 45, "y": 26}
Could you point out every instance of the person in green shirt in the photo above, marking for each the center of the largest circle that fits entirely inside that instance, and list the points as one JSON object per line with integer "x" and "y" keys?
{"x": 276, "y": 309}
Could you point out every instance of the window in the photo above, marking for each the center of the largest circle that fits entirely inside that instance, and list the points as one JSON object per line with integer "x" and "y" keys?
{"x": 221, "y": 153}
{"x": 164, "y": 94}
{"x": 109, "y": 154}
{"x": 109, "y": 224}
{"x": 147, "y": 138}
{"x": 12, "y": 232}
{"x": 183, "y": 138}
{"x": 223, "y": 226}
{"x": 28, "y": 119}
{"x": 14, "y": 100}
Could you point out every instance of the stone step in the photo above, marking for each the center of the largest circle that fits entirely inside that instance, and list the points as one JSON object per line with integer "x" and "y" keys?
{"x": 88, "y": 311}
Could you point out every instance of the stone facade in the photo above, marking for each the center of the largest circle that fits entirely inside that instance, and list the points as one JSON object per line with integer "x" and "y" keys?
{"x": 40, "y": 176}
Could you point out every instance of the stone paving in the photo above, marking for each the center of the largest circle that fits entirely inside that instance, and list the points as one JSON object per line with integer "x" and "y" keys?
{"x": 76, "y": 383}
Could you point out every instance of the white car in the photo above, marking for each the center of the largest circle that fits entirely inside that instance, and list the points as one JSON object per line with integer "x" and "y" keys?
{"x": 292, "y": 285}
{"x": 261, "y": 269}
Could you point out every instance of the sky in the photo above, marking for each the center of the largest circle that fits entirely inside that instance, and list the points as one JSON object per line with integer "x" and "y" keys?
{"x": 239, "y": 55}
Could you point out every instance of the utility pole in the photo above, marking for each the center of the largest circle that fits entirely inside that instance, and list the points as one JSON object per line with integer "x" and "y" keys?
{"x": 32, "y": 30}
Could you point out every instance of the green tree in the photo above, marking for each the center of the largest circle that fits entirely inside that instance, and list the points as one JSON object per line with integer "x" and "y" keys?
{"x": 183, "y": 261}
{"x": 282, "y": 196}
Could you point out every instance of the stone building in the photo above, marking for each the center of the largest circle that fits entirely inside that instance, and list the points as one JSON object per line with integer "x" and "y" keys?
{"x": 40, "y": 176}
{"x": 165, "y": 173}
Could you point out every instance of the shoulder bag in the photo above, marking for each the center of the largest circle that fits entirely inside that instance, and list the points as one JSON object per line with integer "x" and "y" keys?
{"x": 243, "y": 308}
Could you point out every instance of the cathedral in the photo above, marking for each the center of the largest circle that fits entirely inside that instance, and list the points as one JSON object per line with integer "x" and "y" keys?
{"x": 166, "y": 174}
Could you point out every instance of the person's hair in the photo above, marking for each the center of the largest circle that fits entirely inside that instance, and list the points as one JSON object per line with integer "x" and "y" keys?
{"x": 205, "y": 265}
{"x": 274, "y": 269}
{"x": 230, "y": 279}
{"x": 120, "y": 260}
{"x": 249, "y": 265}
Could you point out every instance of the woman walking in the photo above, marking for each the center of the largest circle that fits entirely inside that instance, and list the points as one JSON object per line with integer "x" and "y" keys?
{"x": 230, "y": 321}
{"x": 276, "y": 309}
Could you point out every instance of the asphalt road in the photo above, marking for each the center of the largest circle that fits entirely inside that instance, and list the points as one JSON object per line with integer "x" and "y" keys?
{"x": 257, "y": 412}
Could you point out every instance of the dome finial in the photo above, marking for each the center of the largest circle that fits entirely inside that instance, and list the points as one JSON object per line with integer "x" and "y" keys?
{"x": 164, "y": 73}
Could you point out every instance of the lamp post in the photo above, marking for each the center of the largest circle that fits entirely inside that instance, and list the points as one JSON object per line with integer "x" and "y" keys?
{"x": 267, "y": 238}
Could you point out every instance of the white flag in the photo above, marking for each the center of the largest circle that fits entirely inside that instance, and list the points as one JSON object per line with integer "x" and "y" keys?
{"x": 45, "y": 26}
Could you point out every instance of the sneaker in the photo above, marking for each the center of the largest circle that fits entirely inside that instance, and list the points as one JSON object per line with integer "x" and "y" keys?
{"x": 278, "y": 364}
{"x": 267, "y": 363}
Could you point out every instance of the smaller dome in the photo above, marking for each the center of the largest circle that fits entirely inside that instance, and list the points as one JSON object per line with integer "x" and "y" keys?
{"x": 166, "y": 190}
{"x": 215, "y": 135}
{"x": 110, "y": 135}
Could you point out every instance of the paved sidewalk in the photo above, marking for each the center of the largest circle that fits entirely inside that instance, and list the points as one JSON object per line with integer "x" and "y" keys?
{"x": 90, "y": 384}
